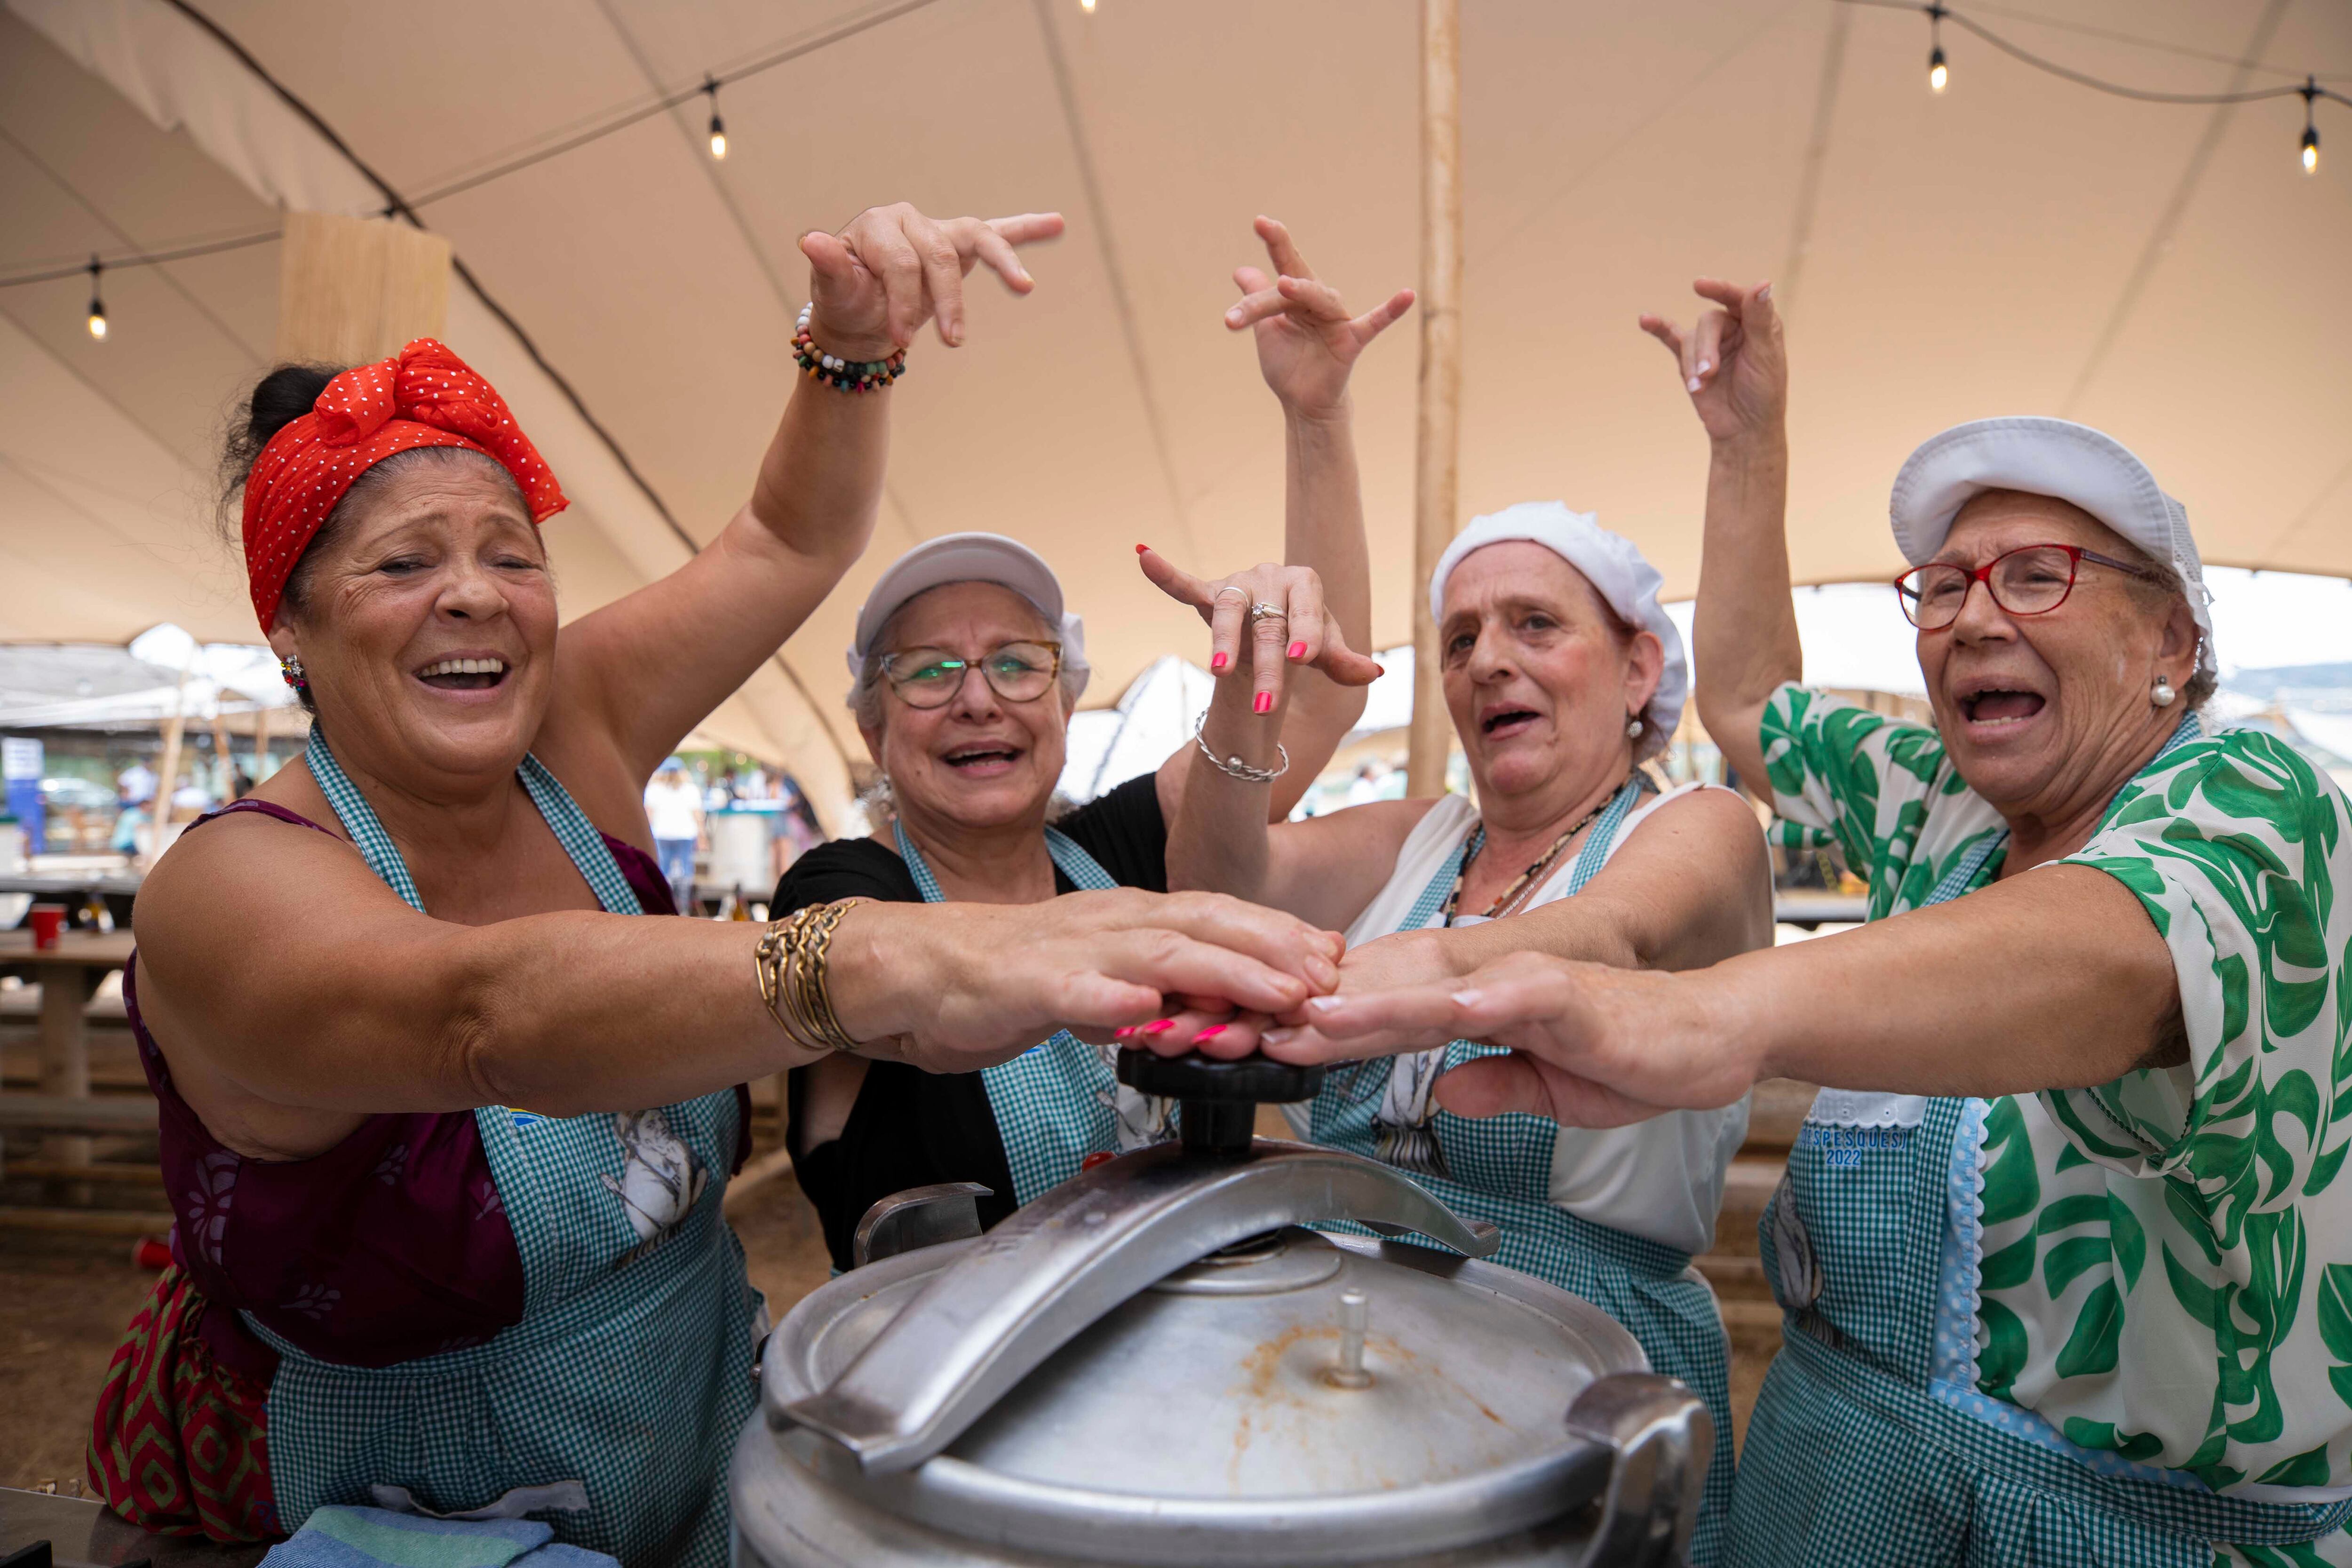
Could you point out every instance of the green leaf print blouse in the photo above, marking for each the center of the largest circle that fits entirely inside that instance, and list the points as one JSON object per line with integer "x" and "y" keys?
{"x": 2166, "y": 1260}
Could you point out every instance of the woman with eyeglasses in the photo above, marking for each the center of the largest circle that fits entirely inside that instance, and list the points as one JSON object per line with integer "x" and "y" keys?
{"x": 967, "y": 665}
{"x": 2064, "y": 1250}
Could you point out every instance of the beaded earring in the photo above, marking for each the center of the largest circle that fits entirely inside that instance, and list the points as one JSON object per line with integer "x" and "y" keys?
{"x": 291, "y": 669}
{"x": 1633, "y": 728}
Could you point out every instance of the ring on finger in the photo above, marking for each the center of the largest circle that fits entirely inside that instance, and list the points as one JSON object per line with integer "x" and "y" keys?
{"x": 1262, "y": 611}
{"x": 1233, "y": 588}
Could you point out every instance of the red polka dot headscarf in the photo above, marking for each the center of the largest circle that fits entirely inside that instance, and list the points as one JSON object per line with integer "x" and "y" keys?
{"x": 422, "y": 396}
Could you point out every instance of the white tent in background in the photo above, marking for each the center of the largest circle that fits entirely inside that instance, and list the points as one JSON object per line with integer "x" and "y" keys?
{"x": 2014, "y": 244}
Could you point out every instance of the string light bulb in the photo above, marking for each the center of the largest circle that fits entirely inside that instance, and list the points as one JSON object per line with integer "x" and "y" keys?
{"x": 2309, "y": 152}
{"x": 717, "y": 126}
{"x": 1087, "y": 6}
{"x": 1939, "y": 75}
{"x": 97, "y": 305}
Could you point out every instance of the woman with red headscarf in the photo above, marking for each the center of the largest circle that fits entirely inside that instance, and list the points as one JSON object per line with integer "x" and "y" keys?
{"x": 446, "y": 1140}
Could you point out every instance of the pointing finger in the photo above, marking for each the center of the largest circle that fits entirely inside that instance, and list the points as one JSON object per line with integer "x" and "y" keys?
{"x": 993, "y": 248}
{"x": 1028, "y": 228}
{"x": 1174, "y": 581}
{"x": 1252, "y": 308}
{"x": 1380, "y": 317}
{"x": 1282, "y": 248}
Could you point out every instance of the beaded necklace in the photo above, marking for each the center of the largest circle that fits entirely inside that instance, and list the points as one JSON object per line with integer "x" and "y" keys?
{"x": 1528, "y": 879}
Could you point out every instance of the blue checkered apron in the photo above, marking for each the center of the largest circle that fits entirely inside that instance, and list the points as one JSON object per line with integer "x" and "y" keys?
{"x": 1499, "y": 1168}
{"x": 631, "y": 1369}
{"x": 1059, "y": 1100}
{"x": 1870, "y": 1447}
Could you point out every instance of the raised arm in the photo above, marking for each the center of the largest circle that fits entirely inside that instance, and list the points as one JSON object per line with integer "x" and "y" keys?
{"x": 1308, "y": 344}
{"x": 1735, "y": 366}
{"x": 651, "y": 666}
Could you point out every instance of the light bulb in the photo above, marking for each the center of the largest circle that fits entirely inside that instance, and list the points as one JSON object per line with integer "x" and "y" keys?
{"x": 718, "y": 140}
{"x": 98, "y": 320}
{"x": 1087, "y": 6}
{"x": 1938, "y": 74}
{"x": 2310, "y": 149}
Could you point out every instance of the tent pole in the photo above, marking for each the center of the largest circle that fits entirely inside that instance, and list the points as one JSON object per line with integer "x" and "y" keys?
{"x": 173, "y": 730}
{"x": 1438, "y": 433}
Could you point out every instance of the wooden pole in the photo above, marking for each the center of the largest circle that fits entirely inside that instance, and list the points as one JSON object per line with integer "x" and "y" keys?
{"x": 172, "y": 731}
{"x": 1437, "y": 444}
{"x": 354, "y": 289}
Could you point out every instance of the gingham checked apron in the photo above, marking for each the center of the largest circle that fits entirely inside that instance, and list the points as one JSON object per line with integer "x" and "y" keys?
{"x": 1059, "y": 1100}
{"x": 1870, "y": 1446}
{"x": 630, "y": 1373}
{"x": 1499, "y": 1170}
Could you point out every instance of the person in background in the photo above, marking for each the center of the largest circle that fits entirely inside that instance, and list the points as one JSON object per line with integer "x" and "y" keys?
{"x": 446, "y": 1127}
{"x": 1563, "y": 675}
{"x": 673, "y": 814}
{"x": 968, "y": 664}
{"x": 2065, "y": 1252}
{"x": 136, "y": 784}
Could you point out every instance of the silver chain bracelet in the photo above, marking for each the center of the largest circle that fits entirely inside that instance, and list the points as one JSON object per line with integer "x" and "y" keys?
{"x": 1233, "y": 767}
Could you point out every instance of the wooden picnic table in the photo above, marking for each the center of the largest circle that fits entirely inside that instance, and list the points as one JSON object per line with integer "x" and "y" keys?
{"x": 70, "y": 973}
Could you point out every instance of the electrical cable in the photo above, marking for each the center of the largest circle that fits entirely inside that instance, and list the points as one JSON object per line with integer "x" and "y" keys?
{"x": 1934, "y": 12}
{"x": 397, "y": 205}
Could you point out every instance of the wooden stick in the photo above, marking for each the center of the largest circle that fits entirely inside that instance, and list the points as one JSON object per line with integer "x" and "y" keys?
{"x": 1437, "y": 443}
{"x": 86, "y": 1222}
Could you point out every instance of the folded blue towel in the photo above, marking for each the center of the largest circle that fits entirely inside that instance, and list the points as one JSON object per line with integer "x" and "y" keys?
{"x": 378, "y": 1538}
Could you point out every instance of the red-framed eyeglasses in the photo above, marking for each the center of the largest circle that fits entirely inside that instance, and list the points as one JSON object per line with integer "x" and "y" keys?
{"x": 2031, "y": 580}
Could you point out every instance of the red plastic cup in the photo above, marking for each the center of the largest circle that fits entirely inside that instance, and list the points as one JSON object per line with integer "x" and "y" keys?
{"x": 151, "y": 1253}
{"x": 47, "y": 920}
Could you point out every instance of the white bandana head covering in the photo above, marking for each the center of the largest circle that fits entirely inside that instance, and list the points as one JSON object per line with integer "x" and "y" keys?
{"x": 2074, "y": 463}
{"x": 971, "y": 558}
{"x": 1618, "y": 572}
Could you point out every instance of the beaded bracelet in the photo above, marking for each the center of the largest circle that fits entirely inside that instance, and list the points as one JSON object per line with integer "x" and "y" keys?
{"x": 789, "y": 962}
{"x": 848, "y": 375}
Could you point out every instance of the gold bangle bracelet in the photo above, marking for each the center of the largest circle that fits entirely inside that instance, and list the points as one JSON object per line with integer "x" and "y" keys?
{"x": 791, "y": 964}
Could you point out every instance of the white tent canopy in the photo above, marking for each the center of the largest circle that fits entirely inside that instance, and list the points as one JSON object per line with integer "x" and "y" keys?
{"x": 2017, "y": 244}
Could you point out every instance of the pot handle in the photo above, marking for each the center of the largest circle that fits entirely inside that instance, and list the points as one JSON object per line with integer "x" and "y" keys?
{"x": 1028, "y": 1286}
{"x": 1663, "y": 1438}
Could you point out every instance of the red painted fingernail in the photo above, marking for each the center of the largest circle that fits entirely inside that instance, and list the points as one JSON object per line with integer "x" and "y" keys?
{"x": 1159, "y": 1025}
{"x": 1142, "y": 548}
{"x": 1217, "y": 661}
{"x": 1298, "y": 650}
{"x": 1099, "y": 1157}
{"x": 1264, "y": 702}
{"x": 1211, "y": 1032}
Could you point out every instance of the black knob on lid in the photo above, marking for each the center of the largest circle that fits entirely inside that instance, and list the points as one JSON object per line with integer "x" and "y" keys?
{"x": 1217, "y": 1100}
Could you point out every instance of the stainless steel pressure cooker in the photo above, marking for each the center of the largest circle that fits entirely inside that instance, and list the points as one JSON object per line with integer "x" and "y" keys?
{"x": 1157, "y": 1362}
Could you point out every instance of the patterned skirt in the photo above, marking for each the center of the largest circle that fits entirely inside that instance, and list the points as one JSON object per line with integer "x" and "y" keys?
{"x": 180, "y": 1443}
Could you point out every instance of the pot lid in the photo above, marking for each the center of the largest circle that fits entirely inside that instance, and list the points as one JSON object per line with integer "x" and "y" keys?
{"x": 1212, "y": 1401}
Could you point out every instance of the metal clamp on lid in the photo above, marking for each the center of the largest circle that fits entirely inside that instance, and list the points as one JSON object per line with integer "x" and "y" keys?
{"x": 1027, "y": 1288}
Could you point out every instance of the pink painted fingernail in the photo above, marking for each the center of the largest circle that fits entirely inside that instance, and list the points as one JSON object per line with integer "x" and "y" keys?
{"x": 1126, "y": 1034}
{"x": 1694, "y": 384}
{"x": 1264, "y": 702}
{"x": 1217, "y": 661}
{"x": 1298, "y": 650}
{"x": 1159, "y": 1025}
{"x": 1211, "y": 1032}
{"x": 1705, "y": 365}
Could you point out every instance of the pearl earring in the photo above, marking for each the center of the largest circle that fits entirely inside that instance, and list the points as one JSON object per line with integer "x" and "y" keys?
{"x": 2161, "y": 693}
{"x": 1633, "y": 728}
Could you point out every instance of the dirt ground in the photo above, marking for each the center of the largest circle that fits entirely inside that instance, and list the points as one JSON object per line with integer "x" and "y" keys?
{"x": 63, "y": 1305}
